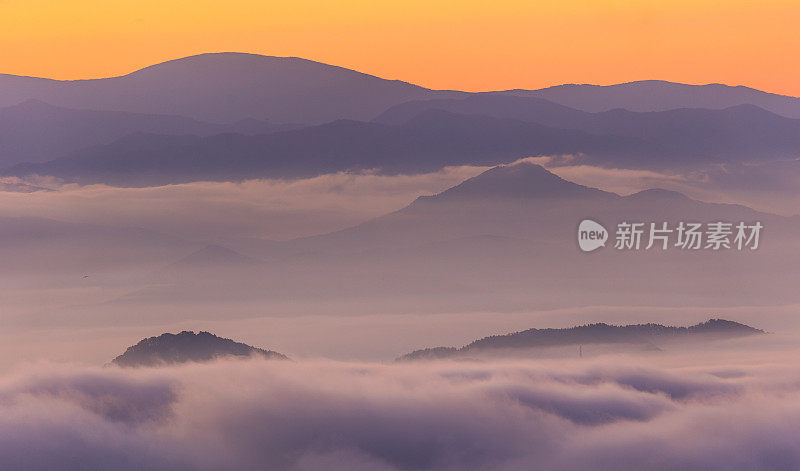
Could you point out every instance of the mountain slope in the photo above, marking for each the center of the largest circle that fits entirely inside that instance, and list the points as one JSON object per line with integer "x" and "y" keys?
{"x": 590, "y": 334}
{"x": 523, "y": 201}
{"x": 483, "y": 130}
{"x": 688, "y": 135}
{"x": 34, "y": 131}
{"x": 658, "y": 95}
{"x": 186, "y": 347}
{"x": 428, "y": 142}
{"x": 506, "y": 240}
{"x": 227, "y": 87}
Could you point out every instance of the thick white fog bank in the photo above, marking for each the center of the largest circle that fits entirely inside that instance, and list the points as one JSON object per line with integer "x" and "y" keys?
{"x": 740, "y": 413}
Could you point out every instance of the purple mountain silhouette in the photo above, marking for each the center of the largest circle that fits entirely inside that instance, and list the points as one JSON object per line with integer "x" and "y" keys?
{"x": 429, "y": 141}
{"x": 34, "y": 131}
{"x": 228, "y": 87}
{"x": 673, "y": 136}
{"x": 658, "y": 95}
{"x": 507, "y": 238}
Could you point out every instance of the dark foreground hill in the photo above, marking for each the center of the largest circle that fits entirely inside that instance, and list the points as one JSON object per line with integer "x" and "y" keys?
{"x": 187, "y": 347}
{"x": 638, "y": 334}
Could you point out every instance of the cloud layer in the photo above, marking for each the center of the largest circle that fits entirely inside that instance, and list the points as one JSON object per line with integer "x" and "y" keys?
{"x": 284, "y": 209}
{"x": 270, "y": 209}
{"x": 255, "y": 414}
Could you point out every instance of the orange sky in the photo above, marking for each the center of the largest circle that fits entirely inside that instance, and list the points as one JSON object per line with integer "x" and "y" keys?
{"x": 467, "y": 44}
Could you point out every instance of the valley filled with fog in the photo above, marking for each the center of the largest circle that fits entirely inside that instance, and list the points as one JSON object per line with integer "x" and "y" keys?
{"x": 344, "y": 221}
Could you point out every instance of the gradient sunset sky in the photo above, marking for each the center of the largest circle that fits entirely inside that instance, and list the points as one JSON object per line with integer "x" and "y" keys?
{"x": 467, "y": 44}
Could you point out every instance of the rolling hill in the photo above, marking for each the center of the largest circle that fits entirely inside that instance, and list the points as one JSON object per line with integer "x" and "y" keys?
{"x": 646, "y": 335}
{"x": 227, "y": 87}
{"x": 185, "y": 347}
{"x": 659, "y": 95}
{"x": 34, "y": 131}
{"x": 428, "y": 142}
{"x": 505, "y": 239}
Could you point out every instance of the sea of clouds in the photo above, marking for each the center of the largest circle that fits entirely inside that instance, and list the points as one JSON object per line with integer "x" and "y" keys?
{"x": 280, "y": 209}
{"x": 596, "y": 414}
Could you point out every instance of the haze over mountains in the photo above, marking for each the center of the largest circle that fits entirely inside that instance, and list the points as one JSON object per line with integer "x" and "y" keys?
{"x": 505, "y": 238}
{"x": 425, "y": 136}
{"x": 428, "y": 142}
{"x": 227, "y": 87}
{"x": 35, "y": 131}
{"x": 233, "y": 116}
{"x": 658, "y": 95}
{"x": 501, "y": 240}
{"x": 668, "y": 138}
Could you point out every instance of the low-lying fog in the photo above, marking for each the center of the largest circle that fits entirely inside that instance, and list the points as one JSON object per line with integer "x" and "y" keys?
{"x": 285, "y": 209}
{"x": 360, "y": 337}
{"x": 108, "y": 266}
{"x": 730, "y": 408}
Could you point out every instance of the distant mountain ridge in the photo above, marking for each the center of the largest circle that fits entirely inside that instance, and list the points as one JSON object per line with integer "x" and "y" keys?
{"x": 215, "y": 117}
{"x": 187, "y": 346}
{"x": 661, "y": 95}
{"x": 35, "y": 131}
{"x": 689, "y": 134}
{"x": 600, "y": 333}
{"x": 505, "y": 239}
{"x": 428, "y": 142}
{"x": 228, "y": 87}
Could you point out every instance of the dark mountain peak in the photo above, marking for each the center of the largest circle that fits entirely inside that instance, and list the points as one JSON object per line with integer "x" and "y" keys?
{"x": 588, "y": 334}
{"x": 521, "y": 180}
{"x": 187, "y": 347}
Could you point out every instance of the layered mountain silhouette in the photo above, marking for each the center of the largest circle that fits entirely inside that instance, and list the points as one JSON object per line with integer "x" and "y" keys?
{"x": 677, "y": 135}
{"x": 185, "y": 347}
{"x": 424, "y": 136}
{"x": 506, "y": 239}
{"x": 428, "y": 142}
{"x": 225, "y": 88}
{"x": 34, "y": 131}
{"x": 521, "y": 201}
{"x": 591, "y": 334}
{"x": 659, "y": 95}
{"x": 215, "y": 117}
